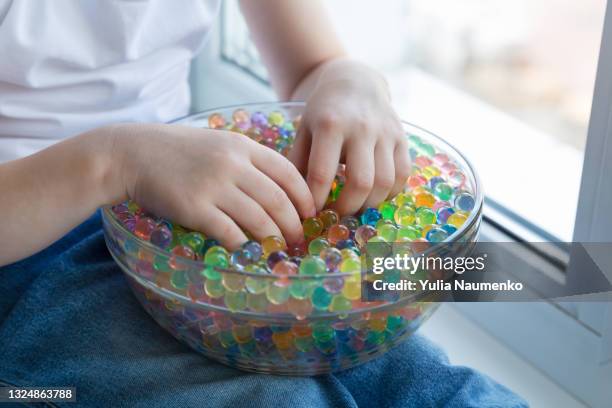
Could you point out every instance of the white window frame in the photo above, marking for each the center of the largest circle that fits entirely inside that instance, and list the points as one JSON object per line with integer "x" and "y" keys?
{"x": 570, "y": 342}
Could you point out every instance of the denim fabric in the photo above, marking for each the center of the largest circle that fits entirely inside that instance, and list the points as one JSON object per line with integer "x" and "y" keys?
{"x": 67, "y": 318}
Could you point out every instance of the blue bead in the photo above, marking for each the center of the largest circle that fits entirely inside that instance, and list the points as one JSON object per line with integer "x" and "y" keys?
{"x": 449, "y": 228}
{"x": 370, "y": 216}
{"x": 435, "y": 180}
{"x": 436, "y": 235}
{"x": 254, "y": 248}
{"x": 346, "y": 243}
{"x": 464, "y": 202}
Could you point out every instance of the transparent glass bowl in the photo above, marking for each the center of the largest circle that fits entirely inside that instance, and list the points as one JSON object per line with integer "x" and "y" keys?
{"x": 287, "y": 335}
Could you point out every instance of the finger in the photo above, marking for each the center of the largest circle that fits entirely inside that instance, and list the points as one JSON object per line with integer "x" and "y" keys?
{"x": 402, "y": 166}
{"x": 384, "y": 175}
{"x": 359, "y": 178}
{"x": 216, "y": 223}
{"x": 286, "y": 175}
{"x": 248, "y": 214}
{"x": 323, "y": 165}
{"x": 275, "y": 202}
{"x": 298, "y": 155}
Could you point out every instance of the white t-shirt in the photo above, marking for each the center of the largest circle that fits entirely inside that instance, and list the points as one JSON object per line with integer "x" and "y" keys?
{"x": 67, "y": 66}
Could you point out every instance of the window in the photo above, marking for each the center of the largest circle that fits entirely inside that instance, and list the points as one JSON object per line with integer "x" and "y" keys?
{"x": 510, "y": 84}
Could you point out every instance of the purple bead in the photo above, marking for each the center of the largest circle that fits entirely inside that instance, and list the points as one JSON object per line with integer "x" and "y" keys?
{"x": 276, "y": 257}
{"x": 161, "y": 236}
{"x": 262, "y": 334}
{"x": 346, "y": 243}
{"x": 259, "y": 119}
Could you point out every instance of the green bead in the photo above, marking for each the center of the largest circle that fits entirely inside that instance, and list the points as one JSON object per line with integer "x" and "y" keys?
{"x": 303, "y": 344}
{"x": 276, "y": 118}
{"x": 214, "y": 288}
{"x": 160, "y": 263}
{"x": 255, "y": 285}
{"x": 320, "y": 298}
{"x": 211, "y": 273}
{"x": 425, "y": 216}
{"x": 193, "y": 240}
{"x": 350, "y": 265}
{"x": 323, "y": 332}
{"x": 443, "y": 191}
{"x": 405, "y": 215}
{"x": 340, "y": 304}
{"x": 300, "y": 289}
{"x": 317, "y": 245}
{"x": 427, "y": 150}
{"x": 257, "y": 302}
{"x": 217, "y": 256}
{"x": 179, "y": 280}
{"x": 311, "y": 265}
{"x": 235, "y": 300}
{"x": 277, "y": 294}
{"x": 410, "y": 232}
{"x": 387, "y": 210}
{"x": 388, "y": 232}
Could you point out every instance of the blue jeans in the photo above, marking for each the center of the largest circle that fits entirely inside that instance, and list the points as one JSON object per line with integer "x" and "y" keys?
{"x": 67, "y": 318}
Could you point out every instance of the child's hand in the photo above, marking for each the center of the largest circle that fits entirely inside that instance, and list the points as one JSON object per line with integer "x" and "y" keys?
{"x": 349, "y": 119}
{"x": 210, "y": 180}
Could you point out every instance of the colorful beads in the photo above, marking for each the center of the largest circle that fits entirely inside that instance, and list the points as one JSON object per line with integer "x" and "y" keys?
{"x": 259, "y": 297}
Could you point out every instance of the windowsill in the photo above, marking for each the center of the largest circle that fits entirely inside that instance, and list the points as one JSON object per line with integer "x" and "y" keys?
{"x": 467, "y": 344}
{"x": 507, "y": 153}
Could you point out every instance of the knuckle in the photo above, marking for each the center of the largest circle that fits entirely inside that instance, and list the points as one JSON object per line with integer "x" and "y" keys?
{"x": 278, "y": 199}
{"x": 362, "y": 181}
{"x": 327, "y": 121}
{"x": 385, "y": 182}
{"x": 318, "y": 176}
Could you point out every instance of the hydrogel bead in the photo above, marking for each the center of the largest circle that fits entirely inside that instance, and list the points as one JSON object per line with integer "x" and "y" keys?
{"x": 254, "y": 249}
{"x": 405, "y": 215}
{"x": 312, "y": 265}
{"x": 345, "y": 244}
{"x": 183, "y": 252}
{"x": 430, "y": 171}
{"x": 387, "y": 210}
{"x": 214, "y": 288}
{"x": 255, "y": 285}
{"x": 300, "y": 308}
{"x": 350, "y": 222}
{"x": 209, "y": 243}
{"x": 277, "y": 294}
{"x": 352, "y": 290}
{"x": 301, "y": 289}
{"x": 436, "y": 235}
{"x": 217, "y": 257}
{"x": 449, "y": 228}
{"x": 440, "y": 204}
{"x": 259, "y": 119}
{"x": 276, "y": 257}
{"x": 443, "y": 213}
{"x": 320, "y": 298}
{"x": 317, "y": 245}
{"x": 410, "y": 232}
{"x": 434, "y": 181}
{"x": 235, "y": 301}
{"x": 144, "y": 227}
{"x": 364, "y": 233}
{"x": 340, "y": 303}
{"x": 193, "y": 240}
{"x": 388, "y": 232}
{"x": 233, "y": 282}
{"x": 422, "y": 161}
{"x": 350, "y": 265}
{"x": 297, "y": 249}
{"x": 313, "y": 227}
{"x": 284, "y": 269}
{"x": 416, "y": 181}
{"x": 424, "y": 200}
{"x": 443, "y": 191}
{"x": 440, "y": 158}
{"x": 464, "y": 202}
{"x": 276, "y": 118}
{"x": 328, "y": 217}
{"x": 370, "y": 216}
{"x": 456, "y": 220}
{"x": 161, "y": 236}
{"x": 332, "y": 258}
{"x": 272, "y": 244}
{"x": 241, "y": 258}
{"x": 178, "y": 280}
{"x": 403, "y": 199}
{"x": 241, "y": 118}
{"x": 456, "y": 178}
{"x": 216, "y": 121}
{"x": 425, "y": 216}
{"x": 337, "y": 232}
{"x": 257, "y": 302}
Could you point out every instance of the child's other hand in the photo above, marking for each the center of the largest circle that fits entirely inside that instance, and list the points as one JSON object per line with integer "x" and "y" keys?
{"x": 213, "y": 181}
{"x": 348, "y": 119}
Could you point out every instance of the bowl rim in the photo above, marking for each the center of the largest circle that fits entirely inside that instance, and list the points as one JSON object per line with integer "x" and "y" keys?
{"x": 109, "y": 216}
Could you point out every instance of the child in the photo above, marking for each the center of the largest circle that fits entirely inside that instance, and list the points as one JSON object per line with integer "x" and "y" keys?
{"x": 79, "y": 70}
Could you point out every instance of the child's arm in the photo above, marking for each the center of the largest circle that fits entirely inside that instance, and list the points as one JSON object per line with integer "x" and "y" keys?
{"x": 348, "y": 117}
{"x": 201, "y": 179}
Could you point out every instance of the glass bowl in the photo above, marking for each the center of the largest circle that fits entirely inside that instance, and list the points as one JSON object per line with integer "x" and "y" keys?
{"x": 254, "y": 323}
